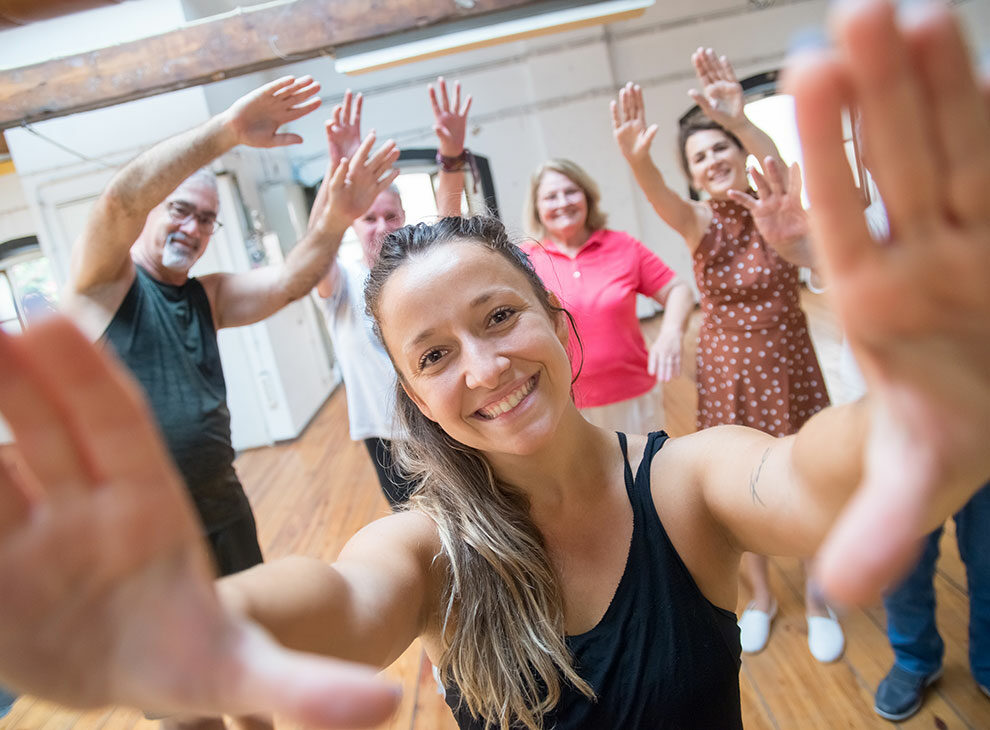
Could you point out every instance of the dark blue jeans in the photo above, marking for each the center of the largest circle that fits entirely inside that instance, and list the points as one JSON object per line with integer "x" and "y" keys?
{"x": 910, "y": 606}
{"x": 7, "y": 699}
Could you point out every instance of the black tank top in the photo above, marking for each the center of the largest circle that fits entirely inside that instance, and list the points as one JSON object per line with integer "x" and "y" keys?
{"x": 662, "y": 656}
{"x": 165, "y": 335}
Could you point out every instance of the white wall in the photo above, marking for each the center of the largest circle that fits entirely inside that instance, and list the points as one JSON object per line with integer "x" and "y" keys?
{"x": 87, "y": 31}
{"x": 15, "y": 213}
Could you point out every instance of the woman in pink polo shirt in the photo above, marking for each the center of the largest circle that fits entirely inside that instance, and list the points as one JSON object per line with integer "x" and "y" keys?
{"x": 597, "y": 273}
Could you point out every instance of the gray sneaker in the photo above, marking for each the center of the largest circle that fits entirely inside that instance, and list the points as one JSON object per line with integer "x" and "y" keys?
{"x": 901, "y": 693}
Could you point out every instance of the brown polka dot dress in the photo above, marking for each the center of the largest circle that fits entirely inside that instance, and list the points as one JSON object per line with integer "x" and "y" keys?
{"x": 756, "y": 363}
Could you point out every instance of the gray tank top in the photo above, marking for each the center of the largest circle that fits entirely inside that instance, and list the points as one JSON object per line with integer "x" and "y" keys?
{"x": 165, "y": 335}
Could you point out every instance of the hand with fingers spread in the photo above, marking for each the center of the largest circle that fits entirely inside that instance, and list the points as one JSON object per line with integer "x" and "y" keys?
{"x": 344, "y": 129}
{"x": 449, "y": 117}
{"x": 629, "y": 124}
{"x": 255, "y": 118}
{"x": 778, "y": 212}
{"x": 108, "y": 591}
{"x": 356, "y": 183}
{"x": 916, "y": 309}
{"x": 721, "y": 97}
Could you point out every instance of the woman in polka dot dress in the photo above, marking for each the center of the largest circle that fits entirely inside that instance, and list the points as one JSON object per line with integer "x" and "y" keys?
{"x": 756, "y": 364}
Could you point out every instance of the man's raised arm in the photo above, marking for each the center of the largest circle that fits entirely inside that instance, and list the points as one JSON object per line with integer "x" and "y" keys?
{"x": 101, "y": 255}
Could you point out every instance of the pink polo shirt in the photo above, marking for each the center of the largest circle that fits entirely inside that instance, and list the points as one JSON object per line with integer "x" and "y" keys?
{"x": 598, "y": 287}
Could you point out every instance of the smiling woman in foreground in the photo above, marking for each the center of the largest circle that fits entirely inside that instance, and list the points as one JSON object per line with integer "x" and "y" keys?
{"x": 538, "y": 549}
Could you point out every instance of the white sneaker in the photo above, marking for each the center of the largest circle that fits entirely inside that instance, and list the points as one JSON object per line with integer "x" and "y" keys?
{"x": 825, "y": 638}
{"x": 754, "y": 628}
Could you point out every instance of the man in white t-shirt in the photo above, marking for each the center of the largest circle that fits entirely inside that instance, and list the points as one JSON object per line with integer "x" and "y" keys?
{"x": 369, "y": 378}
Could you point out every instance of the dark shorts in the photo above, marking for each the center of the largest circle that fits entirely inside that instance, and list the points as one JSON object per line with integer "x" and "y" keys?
{"x": 235, "y": 545}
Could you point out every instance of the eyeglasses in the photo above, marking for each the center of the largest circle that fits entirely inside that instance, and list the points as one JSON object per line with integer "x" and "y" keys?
{"x": 181, "y": 213}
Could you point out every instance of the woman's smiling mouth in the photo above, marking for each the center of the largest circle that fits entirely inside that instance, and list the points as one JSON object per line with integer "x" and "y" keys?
{"x": 509, "y": 402}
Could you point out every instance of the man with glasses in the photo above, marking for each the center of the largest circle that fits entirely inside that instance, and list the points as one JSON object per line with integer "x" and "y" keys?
{"x": 130, "y": 287}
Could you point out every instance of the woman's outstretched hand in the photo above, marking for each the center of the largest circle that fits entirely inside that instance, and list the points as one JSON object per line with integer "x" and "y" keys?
{"x": 108, "y": 594}
{"x": 777, "y": 210}
{"x": 916, "y": 308}
{"x": 629, "y": 124}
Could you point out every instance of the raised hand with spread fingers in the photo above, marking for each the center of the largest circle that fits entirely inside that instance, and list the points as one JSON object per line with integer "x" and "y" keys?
{"x": 344, "y": 128}
{"x": 256, "y": 118}
{"x": 778, "y": 211}
{"x": 916, "y": 310}
{"x": 357, "y": 181}
{"x": 629, "y": 124}
{"x": 722, "y": 100}
{"x": 450, "y": 117}
{"x": 108, "y": 589}
{"x": 721, "y": 97}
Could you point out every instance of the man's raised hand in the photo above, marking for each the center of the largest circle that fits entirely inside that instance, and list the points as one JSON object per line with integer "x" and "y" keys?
{"x": 255, "y": 118}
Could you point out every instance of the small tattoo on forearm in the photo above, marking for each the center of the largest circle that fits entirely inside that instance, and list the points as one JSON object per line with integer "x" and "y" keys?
{"x": 756, "y": 477}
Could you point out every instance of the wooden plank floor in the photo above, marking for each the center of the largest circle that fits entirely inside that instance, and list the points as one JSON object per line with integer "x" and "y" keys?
{"x": 312, "y": 494}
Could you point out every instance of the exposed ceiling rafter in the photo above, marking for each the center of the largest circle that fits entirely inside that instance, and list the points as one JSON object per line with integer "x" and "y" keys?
{"x": 212, "y": 50}
{"x": 16, "y": 13}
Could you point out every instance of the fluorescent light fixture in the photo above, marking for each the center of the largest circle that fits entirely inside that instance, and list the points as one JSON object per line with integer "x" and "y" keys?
{"x": 511, "y": 25}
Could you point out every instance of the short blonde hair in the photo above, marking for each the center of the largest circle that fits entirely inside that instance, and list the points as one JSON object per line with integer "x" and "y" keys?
{"x": 531, "y": 216}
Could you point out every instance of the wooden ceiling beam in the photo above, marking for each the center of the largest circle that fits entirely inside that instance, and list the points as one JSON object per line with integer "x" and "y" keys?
{"x": 212, "y": 50}
{"x": 16, "y": 13}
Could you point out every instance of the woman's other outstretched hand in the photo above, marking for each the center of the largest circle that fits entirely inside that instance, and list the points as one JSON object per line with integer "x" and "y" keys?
{"x": 721, "y": 97}
{"x": 916, "y": 308}
{"x": 108, "y": 593}
{"x": 629, "y": 124}
{"x": 777, "y": 211}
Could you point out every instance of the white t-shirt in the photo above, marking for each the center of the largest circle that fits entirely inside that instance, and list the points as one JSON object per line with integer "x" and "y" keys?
{"x": 369, "y": 378}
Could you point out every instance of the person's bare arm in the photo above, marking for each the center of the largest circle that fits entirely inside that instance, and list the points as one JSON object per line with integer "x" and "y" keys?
{"x": 450, "y": 125}
{"x": 367, "y": 607}
{"x": 245, "y": 298}
{"x": 778, "y": 496}
{"x": 101, "y": 255}
{"x": 634, "y": 138}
